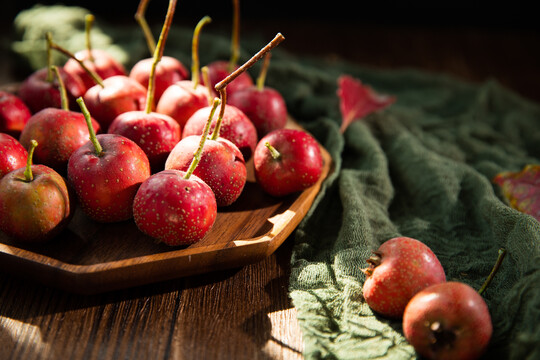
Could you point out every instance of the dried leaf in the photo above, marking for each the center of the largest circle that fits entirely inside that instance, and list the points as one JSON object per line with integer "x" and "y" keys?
{"x": 358, "y": 100}
{"x": 522, "y": 189}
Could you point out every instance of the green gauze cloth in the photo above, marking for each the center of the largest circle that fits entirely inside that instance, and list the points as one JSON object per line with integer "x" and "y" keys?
{"x": 420, "y": 168}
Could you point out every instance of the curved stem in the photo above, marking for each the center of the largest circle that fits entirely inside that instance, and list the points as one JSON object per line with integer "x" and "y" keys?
{"x": 97, "y": 79}
{"x": 217, "y": 129}
{"x": 158, "y": 54}
{"x": 195, "y": 50}
{"x": 89, "y": 21}
{"x": 264, "y": 70}
{"x": 273, "y": 151}
{"x": 235, "y": 41}
{"x": 141, "y": 20}
{"x": 198, "y": 153}
{"x": 88, "y": 119}
{"x": 502, "y": 253}
{"x": 272, "y": 44}
{"x": 63, "y": 94}
{"x": 28, "y": 175}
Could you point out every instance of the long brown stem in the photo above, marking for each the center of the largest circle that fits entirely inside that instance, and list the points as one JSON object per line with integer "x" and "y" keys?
{"x": 141, "y": 20}
{"x": 272, "y": 44}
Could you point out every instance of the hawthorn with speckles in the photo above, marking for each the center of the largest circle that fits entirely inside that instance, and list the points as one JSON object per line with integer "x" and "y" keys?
{"x": 174, "y": 210}
{"x": 448, "y": 321}
{"x": 59, "y": 133}
{"x": 12, "y": 154}
{"x": 235, "y": 127}
{"x": 399, "y": 269}
{"x": 38, "y": 93}
{"x": 221, "y": 166}
{"x": 35, "y": 203}
{"x": 14, "y": 114}
{"x": 287, "y": 161}
{"x": 117, "y": 95}
{"x": 156, "y": 134}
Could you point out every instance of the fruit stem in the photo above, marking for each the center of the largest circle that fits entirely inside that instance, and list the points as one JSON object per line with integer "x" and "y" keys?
{"x": 235, "y": 41}
{"x": 272, "y": 44}
{"x": 198, "y": 153}
{"x": 89, "y": 21}
{"x": 206, "y": 80}
{"x": 50, "y": 75}
{"x": 28, "y": 175}
{"x": 502, "y": 253}
{"x": 63, "y": 94}
{"x": 158, "y": 54}
{"x": 273, "y": 151}
{"x": 219, "y": 121}
{"x": 141, "y": 20}
{"x": 195, "y": 50}
{"x": 264, "y": 70}
{"x": 88, "y": 119}
{"x": 97, "y": 79}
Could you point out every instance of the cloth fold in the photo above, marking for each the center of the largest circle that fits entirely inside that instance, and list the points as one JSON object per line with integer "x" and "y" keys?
{"x": 420, "y": 168}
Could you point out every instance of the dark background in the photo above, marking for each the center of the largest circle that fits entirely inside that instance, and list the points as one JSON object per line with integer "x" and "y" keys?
{"x": 377, "y": 34}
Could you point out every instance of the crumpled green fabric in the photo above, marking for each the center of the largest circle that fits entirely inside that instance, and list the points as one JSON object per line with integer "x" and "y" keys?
{"x": 420, "y": 168}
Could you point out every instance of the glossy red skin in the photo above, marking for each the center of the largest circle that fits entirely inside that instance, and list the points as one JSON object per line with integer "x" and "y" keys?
{"x": 298, "y": 167}
{"x": 34, "y": 211}
{"x": 37, "y": 93}
{"x": 265, "y": 108}
{"x": 235, "y": 127}
{"x": 458, "y": 308}
{"x": 174, "y": 210}
{"x": 106, "y": 185}
{"x": 104, "y": 64}
{"x": 219, "y": 70}
{"x": 181, "y": 100}
{"x": 58, "y": 133}
{"x": 14, "y": 114}
{"x": 221, "y": 166}
{"x": 169, "y": 70}
{"x": 120, "y": 94}
{"x": 12, "y": 154}
{"x": 157, "y": 134}
{"x": 406, "y": 267}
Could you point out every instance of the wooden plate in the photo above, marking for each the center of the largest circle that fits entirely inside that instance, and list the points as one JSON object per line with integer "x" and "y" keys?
{"x": 90, "y": 257}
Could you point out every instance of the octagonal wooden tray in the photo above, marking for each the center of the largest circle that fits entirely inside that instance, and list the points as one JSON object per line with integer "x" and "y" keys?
{"x": 90, "y": 257}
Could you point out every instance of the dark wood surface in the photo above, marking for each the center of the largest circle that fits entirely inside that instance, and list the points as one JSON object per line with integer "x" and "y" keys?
{"x": 245, "y": 313}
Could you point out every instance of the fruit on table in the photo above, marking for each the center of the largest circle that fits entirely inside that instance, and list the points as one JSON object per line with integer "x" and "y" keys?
{"x": 155, "y": 133}
{"x": 35, "y": 203}
{"x": 14, "y": 114}
{"x": 59, "y": 131}
{"x": 12, "y": 154}
{"x": 448, "y": 321}
{"x": 399, "y": 269}
{"x": 287, "y": 161}
{"x": 97, "y": 60}
{"x": 264, "y": 106}
{"x": 235, "y": 127}
{"x": 177, "y": 207}
{"x": 105, "y": 173}
{"x": 181, "y": 99}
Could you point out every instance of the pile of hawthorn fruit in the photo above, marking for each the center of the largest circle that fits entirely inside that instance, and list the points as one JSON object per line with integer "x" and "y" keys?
{"x": 152, "y": 144}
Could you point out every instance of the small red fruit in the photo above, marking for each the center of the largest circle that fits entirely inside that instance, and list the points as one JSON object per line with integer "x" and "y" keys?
{"x": 35, "y": 203}
{"x": 12, "y": 154}
{"x": 287, "y": 161}
{"x": 14, "y": 114}
{"x": 448, "y": 321}
{"x": 399, "y": 269}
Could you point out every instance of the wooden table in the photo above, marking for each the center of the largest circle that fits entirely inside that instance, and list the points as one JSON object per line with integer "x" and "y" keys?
{"x": 243, "y": 313}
